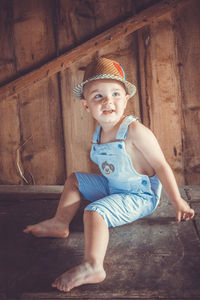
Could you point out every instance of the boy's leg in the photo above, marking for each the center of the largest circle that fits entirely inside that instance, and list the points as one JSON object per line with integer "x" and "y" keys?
{"x": 91, "y": 270}
{"x": 96, "y": 235}
{"x": 58, "y": 226}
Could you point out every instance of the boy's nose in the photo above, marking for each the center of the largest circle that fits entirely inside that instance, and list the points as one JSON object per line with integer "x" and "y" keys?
{"x": 107, "y": 99}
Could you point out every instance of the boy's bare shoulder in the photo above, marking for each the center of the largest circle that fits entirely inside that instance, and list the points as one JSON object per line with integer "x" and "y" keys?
{"x": 138, "y": 131}
{"x": 143, "y": 139}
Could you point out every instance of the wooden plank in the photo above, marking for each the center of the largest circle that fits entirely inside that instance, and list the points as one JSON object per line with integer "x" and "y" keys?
{"x": 9, "y": 130}
{"x": 160, "y": 90}
{"x": 7, "y": 61}
{"x": 30, "y": 192}
{"x": 152, "y": 258}
{"x": 42, "y": 152}
{"x": 115, "y": 33}
{"x": 78, "y": 126}
{"x": 38, "y": 128}
{"x": 187, "y": 31}
{"x": 38, "y": 296}
{"x": 78, "y": 21}
{"x": 10, "y": 139}
{"x": 32, "y": 123}
{"x": 3, "y": 296}
{"x": 29, "y": 296}
{"x": 193, "y": 194}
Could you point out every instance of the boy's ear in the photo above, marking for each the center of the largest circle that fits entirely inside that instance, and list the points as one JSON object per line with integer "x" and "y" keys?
{"x": 127, "y": 98}
{"x": 84, "y": 103}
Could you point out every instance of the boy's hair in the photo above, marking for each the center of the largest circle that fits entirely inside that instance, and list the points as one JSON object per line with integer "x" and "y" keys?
{"x": 104, "y": 68}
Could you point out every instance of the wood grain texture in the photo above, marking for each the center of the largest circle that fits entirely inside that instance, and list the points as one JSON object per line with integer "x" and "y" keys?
{"x": 152, "y": 258}
{"x": 49, "y": 127}
{"x": 33, "y": 121}
{"x": 88, "y": 48}
{"x": 160, "y": 89}
{"x": 187, "y": 32}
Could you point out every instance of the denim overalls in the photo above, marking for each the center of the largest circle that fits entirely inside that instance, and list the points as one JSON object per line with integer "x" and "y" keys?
{"x": 120, "y": 195}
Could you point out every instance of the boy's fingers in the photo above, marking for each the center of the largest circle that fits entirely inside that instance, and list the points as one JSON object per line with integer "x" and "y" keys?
{"x": 178, "y": 216}
{"x": 185, "y": 216}
{"x": 192, "y": 213}
{"x": 189, "y": 215}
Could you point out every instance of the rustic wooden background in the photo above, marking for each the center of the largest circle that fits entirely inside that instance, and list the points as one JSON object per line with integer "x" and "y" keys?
{"x": 45, "y": 133}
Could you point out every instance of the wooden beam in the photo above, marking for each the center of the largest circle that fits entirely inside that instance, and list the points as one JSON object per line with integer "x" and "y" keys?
{"x": 116, "y": 32}
{"x": 20, "y": 192}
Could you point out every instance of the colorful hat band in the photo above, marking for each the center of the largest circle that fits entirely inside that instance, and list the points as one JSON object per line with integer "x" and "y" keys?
{"x": 104, "y": 68}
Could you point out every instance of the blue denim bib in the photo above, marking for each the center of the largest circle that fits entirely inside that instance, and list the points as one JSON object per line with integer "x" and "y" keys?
{"x": 115, "y": 164}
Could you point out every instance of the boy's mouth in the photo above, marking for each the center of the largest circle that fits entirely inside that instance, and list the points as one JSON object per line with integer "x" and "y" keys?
{"x": 108, "y": 111}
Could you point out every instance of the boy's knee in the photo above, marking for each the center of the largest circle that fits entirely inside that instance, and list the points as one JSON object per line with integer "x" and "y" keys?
{"x": 88, "y": 214}
{"x": 72, "y": 180}
{"x": 92, "y": 215}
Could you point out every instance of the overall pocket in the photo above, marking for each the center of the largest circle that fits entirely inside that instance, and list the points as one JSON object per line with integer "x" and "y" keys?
{"x": 108, "y": 164}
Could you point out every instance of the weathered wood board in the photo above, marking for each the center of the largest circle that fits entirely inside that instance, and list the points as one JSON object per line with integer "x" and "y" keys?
{"x": 187, "y": 33}
{"x": 169, "y": 67}
{"x": 49, "y": 126}
{"x": 161, "y": 98}
{"x": 152, "y": 258}
{"x": 31, "y": 119}
{"x": 194, "y": 197}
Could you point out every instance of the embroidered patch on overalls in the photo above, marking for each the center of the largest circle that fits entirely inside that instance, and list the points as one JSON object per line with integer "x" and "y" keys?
{"x": 108, "y": 168}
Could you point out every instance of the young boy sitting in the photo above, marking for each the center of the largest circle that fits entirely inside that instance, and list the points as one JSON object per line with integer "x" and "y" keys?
{"x": 132, "y": 166}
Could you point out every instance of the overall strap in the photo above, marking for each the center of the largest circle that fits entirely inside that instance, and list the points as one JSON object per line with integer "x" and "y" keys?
{"x": 121, "y": 133}
{"x": 96, "y": 135}
{"x": 123, "y": 129}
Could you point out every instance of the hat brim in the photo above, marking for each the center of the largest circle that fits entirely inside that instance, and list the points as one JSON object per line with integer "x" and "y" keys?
{"x": 130, "y": 88}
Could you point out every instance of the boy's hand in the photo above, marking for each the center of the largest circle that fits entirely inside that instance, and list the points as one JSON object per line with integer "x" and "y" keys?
{"x": 183, "y": 210}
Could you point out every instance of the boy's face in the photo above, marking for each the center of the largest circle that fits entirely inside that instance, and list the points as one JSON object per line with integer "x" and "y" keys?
{"x": 105, "y": 99}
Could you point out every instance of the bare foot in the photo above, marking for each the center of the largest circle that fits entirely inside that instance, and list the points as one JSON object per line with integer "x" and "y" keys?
{"x": 48, "y": 228}
{"x": 82, "y": 274}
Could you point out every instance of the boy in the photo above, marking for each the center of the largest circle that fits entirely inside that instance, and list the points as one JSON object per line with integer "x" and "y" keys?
{"x": 132, "y": 166}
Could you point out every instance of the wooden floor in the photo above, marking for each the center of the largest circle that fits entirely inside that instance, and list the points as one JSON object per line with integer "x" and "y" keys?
{"x": 153, "y": 258}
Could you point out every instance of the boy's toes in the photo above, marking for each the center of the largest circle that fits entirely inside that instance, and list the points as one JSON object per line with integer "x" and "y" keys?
{"x": 27, "y": 229}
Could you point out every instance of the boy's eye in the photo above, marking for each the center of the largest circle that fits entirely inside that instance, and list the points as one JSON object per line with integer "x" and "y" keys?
{"x": 98, "y": 96}
{"x": 116, "y": 94}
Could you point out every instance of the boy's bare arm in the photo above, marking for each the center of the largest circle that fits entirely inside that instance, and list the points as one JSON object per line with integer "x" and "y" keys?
{"x": 146, "y": 142}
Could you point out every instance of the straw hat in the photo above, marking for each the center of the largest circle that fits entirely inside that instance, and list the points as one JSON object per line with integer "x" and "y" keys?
{"x": 103, "y": 68}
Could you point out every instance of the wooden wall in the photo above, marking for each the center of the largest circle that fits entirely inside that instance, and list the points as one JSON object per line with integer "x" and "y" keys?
{"x": 169, "y": 53}
{"x": 45, "y": 134}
